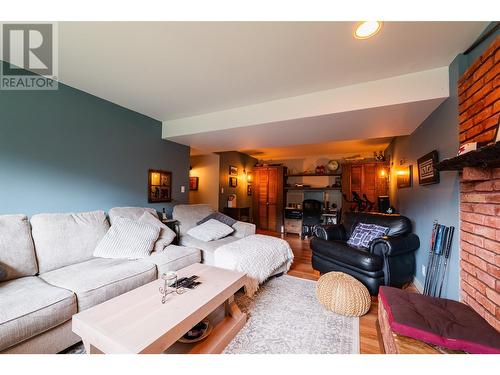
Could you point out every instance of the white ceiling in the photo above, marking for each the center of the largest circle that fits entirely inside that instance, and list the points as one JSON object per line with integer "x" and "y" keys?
{"x": 169, "y": 70}
{"x": 175, "y": 70}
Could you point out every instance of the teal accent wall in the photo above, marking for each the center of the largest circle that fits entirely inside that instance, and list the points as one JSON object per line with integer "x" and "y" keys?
{"x": 67, "y": 151}
{"x": 423, "y": 204}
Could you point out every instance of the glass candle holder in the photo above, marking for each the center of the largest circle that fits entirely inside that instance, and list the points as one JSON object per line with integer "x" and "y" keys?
{"x": 169, "y": 285}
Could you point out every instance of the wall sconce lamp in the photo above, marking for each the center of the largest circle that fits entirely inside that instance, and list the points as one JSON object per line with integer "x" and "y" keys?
{"x": 249, "y": 177}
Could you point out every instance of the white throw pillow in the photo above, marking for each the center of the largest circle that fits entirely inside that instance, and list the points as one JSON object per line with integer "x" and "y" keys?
{"x": 127, "y": 239}
{"x": 167, "y": 235}
{"x": 210, "y": 230}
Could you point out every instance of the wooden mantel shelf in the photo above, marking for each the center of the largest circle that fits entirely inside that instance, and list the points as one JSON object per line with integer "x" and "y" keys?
{"x": 485, "y": 157}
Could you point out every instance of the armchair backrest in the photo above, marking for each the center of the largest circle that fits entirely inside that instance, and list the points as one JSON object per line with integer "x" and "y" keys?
{"x": 398, "y": 225}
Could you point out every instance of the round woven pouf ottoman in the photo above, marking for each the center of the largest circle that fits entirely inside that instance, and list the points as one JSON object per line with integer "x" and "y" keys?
{"x": 343, "y": 294}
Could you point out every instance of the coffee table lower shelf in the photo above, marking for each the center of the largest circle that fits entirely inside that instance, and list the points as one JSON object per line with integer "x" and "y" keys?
{"x": 224, "y": 331}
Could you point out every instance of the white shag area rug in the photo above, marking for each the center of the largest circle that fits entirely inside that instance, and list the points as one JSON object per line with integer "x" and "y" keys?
{"x": 285, "y": 317}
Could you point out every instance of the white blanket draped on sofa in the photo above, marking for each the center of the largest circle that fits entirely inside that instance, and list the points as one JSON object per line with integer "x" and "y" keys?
{"x": 256, "y": 255}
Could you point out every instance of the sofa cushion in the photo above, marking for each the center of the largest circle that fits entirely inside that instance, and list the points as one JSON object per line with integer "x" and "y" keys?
{"x": 99, "y": 279}
{"x": 220, "y": 217}
{"x": 174, "y": 258}
{"x": 64, "y": 239}
{"x": 17, "y": 253}
{"x": 189, "y": 214}
{"x": 132, "y": 213}
{"x": 30, "y": 306}
{"x": 127, "y": 239}
{"x": 166, "y": 236}
{"x": 210, "y": 230}
{"x": 207, "y": 248}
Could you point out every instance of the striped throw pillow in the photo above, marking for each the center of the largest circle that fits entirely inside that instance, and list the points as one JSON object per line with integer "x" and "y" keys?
{"x": 167, "y": 235}
{"x": 127, "y": 239}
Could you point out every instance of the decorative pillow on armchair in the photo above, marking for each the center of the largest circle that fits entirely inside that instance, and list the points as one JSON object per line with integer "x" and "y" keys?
{"x": 376, "y": 231}
{"x": 210, "y": 230}
{"x": 364, "y": 234}
{"x": 127, "y": 239}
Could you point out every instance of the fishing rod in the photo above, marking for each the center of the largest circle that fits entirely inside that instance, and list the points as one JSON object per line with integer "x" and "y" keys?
{"x": 429, "y": 258}
{"x": 446, "y": 257}
{"x": 440, "y": 252}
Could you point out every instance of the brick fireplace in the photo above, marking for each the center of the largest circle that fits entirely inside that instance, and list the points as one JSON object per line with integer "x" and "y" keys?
{"x": 479, "y": 111}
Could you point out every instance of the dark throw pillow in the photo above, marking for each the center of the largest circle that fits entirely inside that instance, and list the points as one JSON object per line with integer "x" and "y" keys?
{"x": 358, "y": 234}
{"x": 376, "y": 231}
{"x": 219, "y": 217}
{"x": 3, "y": 273}
{"x": 363, "y": 235}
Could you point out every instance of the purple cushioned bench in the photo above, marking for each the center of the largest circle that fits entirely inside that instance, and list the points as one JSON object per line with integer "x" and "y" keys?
{"x": 438, "y": 321}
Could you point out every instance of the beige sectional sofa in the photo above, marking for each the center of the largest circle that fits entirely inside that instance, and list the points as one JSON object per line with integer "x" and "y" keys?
{"x": 51, "y": 274}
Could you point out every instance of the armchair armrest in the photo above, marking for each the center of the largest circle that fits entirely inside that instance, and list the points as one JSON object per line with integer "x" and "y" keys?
{"x": 242, "y": 229}
{"x": 394, "y": 246}
{"x": 330, "y": 232}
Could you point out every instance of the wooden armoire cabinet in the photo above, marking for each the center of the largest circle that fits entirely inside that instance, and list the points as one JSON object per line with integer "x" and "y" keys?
{"x": 365, "y": 178}
{"x": 268, "y": 197}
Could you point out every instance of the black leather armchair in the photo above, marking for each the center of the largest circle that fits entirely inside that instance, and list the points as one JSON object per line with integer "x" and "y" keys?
{"x": 389, "y": 261}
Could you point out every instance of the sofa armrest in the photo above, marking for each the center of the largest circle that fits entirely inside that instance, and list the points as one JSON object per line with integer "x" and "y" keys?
{"x": 330, "y": 232}
{"x": 242, "y": 229}
{"x": 394, "y": 246}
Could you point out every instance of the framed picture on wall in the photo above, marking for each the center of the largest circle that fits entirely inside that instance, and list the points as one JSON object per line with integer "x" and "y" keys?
{"x": 159, "y": 186}
{"x": 249, "y": 190}
{"x": 404, "y": 177}
{"x": 233, "y": 182}
{"x": 193, "y": 183}
{"x": 233, "y": 171}
{"x": 427, "y": 173}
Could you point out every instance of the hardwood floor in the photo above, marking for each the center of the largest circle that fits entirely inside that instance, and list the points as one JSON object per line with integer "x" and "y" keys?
{"x": 301, "y": 267}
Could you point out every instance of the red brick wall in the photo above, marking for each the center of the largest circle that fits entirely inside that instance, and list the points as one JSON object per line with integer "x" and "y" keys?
{"x": 479, "y": 110}
{"x": 478, "y": 97}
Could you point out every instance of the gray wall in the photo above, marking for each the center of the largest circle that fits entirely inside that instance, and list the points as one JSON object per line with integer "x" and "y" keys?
{"x": 67, "y": 150}
{"x": 242, "y": 162}
{"x": 423, "y": 204}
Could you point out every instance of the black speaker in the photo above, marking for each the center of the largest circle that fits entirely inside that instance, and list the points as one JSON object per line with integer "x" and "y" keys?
{"x": 383, "y": 203}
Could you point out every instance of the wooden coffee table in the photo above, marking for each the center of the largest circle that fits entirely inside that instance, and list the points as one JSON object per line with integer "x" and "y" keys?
{"x": 137, "y": 321}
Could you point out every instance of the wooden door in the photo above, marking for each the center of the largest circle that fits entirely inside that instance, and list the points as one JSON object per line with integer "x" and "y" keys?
{"x": 272, "y": 199}
{"x": 268, "y": 198}
{"x": 356, "y": 180}
{"x": 365, "y": 178}
{"x": 262, "y": 208}
{"x": 368, "y": 185}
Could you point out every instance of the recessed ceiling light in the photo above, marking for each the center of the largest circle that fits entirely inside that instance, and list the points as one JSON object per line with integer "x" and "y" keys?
{"x": 367, "y": 29}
